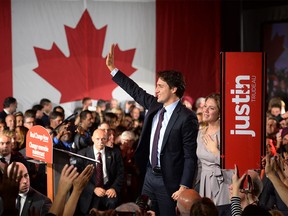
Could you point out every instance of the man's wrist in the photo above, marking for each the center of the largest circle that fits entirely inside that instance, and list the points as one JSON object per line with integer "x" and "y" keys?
{"x": 184, "y": 187}
{"x": 114, "y": 72}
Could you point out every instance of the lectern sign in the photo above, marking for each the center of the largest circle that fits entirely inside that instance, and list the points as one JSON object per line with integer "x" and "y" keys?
{"x": 243, "y": 103}
{"x": 39, "y": 144}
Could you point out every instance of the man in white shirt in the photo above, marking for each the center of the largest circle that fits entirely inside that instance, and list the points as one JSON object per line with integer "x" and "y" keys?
{"x": 103, "y": 190}
{"x": 6, "y": 154}
{"x": 28, "y": 197}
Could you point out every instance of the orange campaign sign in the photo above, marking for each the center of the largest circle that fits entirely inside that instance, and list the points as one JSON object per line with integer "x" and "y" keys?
{"x": 39, "y": 145}
{"x": 243, "y": 92}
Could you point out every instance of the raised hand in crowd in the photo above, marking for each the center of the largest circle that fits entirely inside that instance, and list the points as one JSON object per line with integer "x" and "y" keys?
{"x": 237, "y": 182}
{"x": 280, "y": 187}
{"x": 68, "y": 175}
{"x": 78, "y": 185}
{"x": 9, "y": 186}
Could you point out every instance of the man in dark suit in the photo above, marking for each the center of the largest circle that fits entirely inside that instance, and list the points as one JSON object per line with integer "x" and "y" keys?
{"x": 7, "y": 156}
{"x": 29, "y": 198}
{"x": 9, "y": 107}
{"x": 174, "y": 147}
{"x": 102, "y": 191}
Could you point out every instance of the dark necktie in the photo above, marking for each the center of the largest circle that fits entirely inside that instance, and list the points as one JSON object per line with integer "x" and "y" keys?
{"x": 99, "y": 172}
{"x": 18, "y": 203}
{"x": 154, "y": 157}
{"x": 3, "y": 160}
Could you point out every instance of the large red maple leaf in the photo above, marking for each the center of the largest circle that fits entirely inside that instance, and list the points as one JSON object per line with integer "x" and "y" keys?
{"x": 83, "y": 73}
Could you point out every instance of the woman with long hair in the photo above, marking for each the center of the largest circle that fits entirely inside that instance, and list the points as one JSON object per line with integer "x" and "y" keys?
{"x": 214, "y": 182}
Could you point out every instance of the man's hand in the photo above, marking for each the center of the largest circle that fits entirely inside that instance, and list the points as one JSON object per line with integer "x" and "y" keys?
{"x": 81, "y": 181}
{"x": 110, "y": 58}
{"x": 237, "y": 183}
{"x": 68, "y": 175}
{"x": 176, "y": 194}
{"x": 100, "y": 192}
{"x": 111, "y": 193}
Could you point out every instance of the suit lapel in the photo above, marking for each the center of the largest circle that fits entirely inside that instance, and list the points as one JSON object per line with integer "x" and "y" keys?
{"x": 172, "y": 120}
{"x": 27, "y": 203}
{"x": 108, "y": 158}
{"x": 90, "y": 153}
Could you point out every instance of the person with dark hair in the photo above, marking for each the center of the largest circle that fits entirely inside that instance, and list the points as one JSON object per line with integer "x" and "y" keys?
{"x": 56, "y": 118}
{"x": 204, "y": 207}
{"x": 101, "y": 108}
{"x": 29, "y": 118}
{"x": 166, "y": 153}
{"x": 86, "y": 102}
{"x": 111, "y": 119}
{"x": 38, "y": 114}
{"x": 47, "y": 108}
{"x": 82, "y": 137}
{"x": 255, "y": 210}
{"x": 59, "y": 109}
{"x": 9, "y": 107}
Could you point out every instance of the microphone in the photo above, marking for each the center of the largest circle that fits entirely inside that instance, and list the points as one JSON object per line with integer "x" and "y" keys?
{"x": 70, "y": 117}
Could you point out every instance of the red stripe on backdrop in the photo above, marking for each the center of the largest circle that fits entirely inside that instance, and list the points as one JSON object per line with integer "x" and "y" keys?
{"x": 188, "y": 40}
{"x": 5, "y": 50}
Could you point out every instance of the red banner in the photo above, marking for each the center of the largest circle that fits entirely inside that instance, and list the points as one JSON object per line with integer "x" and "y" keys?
{"x": 243, "y": 103}
{"x": 39, "y": 144}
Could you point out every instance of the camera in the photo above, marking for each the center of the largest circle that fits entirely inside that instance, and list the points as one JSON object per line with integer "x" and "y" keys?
{"x": 144, "y": 202}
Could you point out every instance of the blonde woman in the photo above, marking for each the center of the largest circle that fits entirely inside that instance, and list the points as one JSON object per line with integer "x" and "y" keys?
{"x": 214, "y": 182}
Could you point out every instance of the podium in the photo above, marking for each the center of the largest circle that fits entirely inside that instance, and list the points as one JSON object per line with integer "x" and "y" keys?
{"x": 60, "y": 159}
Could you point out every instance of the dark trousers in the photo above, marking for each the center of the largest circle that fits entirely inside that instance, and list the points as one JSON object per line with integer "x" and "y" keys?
{"x": 154, "y": 187}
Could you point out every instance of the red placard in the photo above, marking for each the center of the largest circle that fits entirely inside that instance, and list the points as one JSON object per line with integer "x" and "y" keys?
{"x": 39, "y": 144}
{"x": 243, "y": 109}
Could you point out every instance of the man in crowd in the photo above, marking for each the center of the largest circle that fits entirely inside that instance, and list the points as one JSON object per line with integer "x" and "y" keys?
{"x": 167, "y": 146}
{"x": 28, "y": 197}
{"x": 9, "y": 107}
{"x": 103, "y": 189}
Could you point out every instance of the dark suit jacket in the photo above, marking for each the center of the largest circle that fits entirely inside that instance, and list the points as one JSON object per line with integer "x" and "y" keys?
{"x": 178, "y": 154}
{"x": 3, "y": 115}
{"x": 38, "y": 201}
{"x": 115, "y": 172}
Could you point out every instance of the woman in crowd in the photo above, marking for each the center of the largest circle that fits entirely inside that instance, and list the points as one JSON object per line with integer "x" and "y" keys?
{"x": 20, "y": 136}
{"x": 214, "y": 182}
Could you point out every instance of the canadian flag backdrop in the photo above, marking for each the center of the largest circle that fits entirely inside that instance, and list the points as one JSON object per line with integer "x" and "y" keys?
{"x": 56, "y": 49}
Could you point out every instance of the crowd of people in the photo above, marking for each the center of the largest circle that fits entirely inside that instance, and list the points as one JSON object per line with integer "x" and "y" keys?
{"x": 155, "y": 155}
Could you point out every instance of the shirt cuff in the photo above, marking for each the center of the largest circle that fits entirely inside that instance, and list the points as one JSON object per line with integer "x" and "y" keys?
{"x": 114, "y": 72}
{"x": 184, "y": 186}
{"x": 55, "y": 140}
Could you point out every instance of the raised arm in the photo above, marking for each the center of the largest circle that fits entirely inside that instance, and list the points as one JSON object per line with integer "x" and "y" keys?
{"x": 280, "y": 187}
{"x": 68, "y": 174}
{"x": 78, "y": 185}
